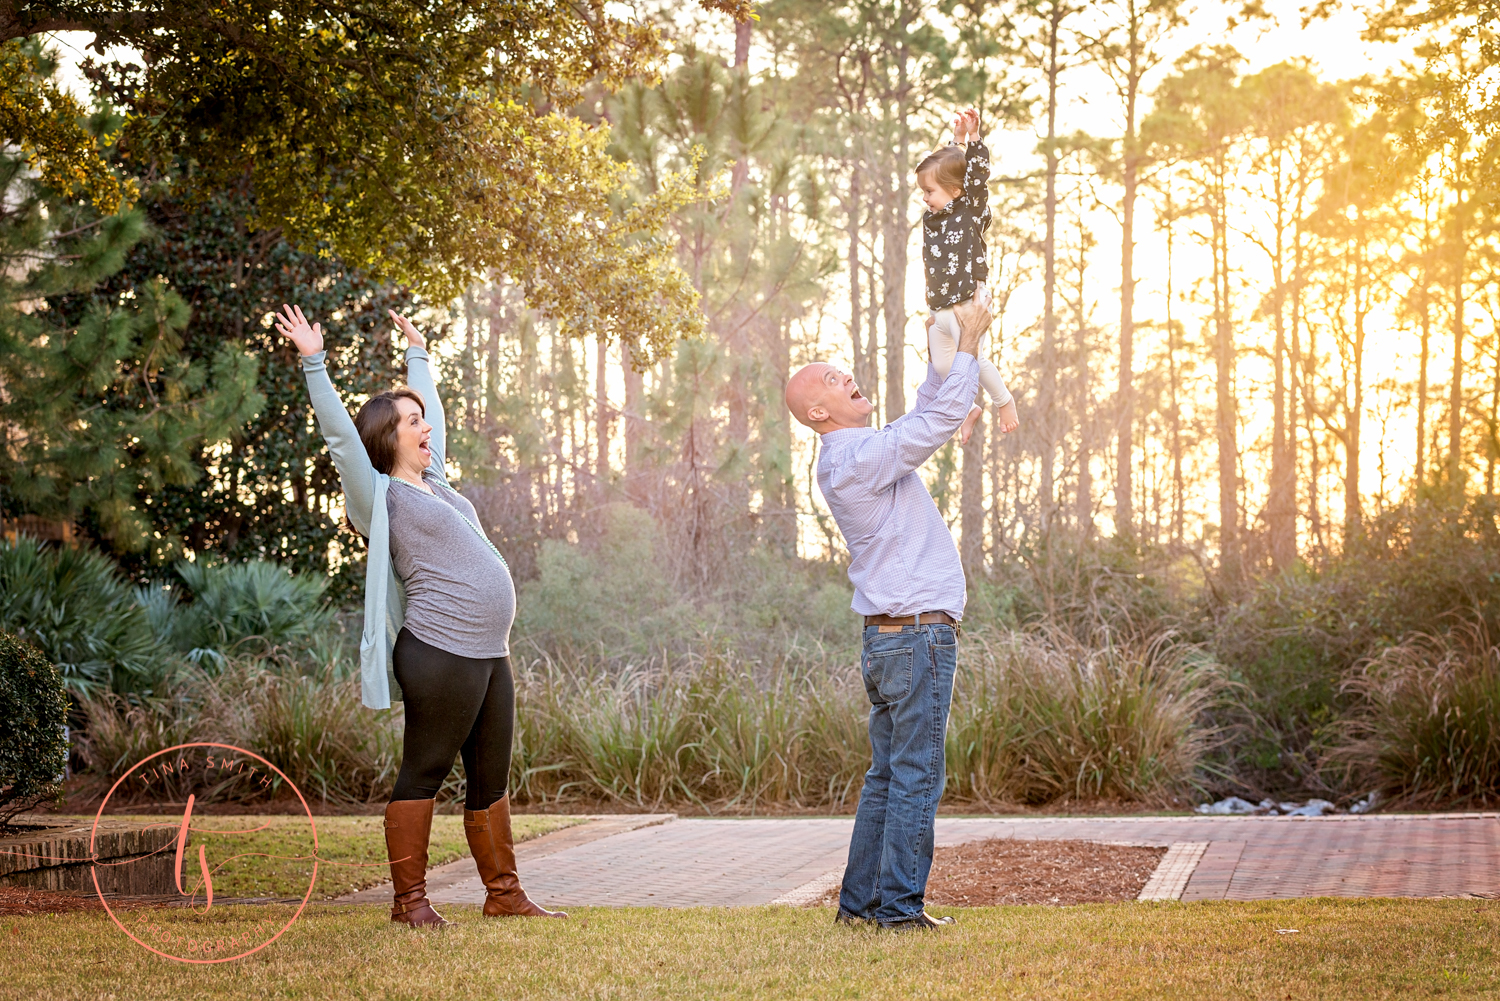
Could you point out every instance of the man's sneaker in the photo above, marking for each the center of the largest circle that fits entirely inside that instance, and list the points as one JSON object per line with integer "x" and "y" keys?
{"x": 844, "y": 917}
{"x": 922, "y": 922}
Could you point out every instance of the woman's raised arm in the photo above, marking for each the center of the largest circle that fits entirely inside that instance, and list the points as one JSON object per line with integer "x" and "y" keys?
{"x": 356, "y": 474}
{"x": 419, "y": 377}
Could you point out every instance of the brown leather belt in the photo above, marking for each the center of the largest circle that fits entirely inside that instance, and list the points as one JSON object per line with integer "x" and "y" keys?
{"x": 919, "y": 619}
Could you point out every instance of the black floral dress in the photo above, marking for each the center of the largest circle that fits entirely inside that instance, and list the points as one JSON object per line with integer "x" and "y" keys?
{"x": 953, "y": 239}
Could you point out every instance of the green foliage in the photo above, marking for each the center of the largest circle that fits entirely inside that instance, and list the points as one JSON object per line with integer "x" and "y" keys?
{"x": 33, "y": 735}
{"x": 74, "y": 605}
{"x": 616, "y": 601}
{"x": 114, "y": 410}
{"x": 308, "y": 722}
{"x": 1044, "y": 717}
{"x": 1037, "y": 719}
{"x": 419, "y": 142}
{"x": 236, "y": 608}
{"x": 1292, "y": 640}
{"x": 268, "y": 492}
{"x": 52, "y": 131}
{"x": 1426, "y": 728}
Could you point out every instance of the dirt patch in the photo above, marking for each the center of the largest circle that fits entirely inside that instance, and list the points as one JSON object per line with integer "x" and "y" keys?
{"x": 17, "y": 901}
{"x": 1009, "y": 871}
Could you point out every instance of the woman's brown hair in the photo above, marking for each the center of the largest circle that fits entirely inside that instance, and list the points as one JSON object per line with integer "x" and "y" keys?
{"x": 946, "y": 166}
{"x": 376, "y": 423}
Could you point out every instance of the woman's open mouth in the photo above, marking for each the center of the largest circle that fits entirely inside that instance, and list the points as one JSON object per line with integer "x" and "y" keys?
{"x": 855, "y": 395}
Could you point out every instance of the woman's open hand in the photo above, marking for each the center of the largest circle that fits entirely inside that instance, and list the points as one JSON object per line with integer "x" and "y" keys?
{"x": 292, "y": 325}
{"x": 413, "y": 336}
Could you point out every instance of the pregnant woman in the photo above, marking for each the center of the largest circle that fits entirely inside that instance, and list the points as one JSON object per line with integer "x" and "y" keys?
{"x": 439, "y": 603}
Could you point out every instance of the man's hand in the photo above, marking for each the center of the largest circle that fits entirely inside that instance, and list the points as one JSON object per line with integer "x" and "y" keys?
{"x": 973, "y": 320}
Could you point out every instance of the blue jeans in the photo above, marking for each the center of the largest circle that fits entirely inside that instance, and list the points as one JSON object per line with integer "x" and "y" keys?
{"x": 909, "y": 678}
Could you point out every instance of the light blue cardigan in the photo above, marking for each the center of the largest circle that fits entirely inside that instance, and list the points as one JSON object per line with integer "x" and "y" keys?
{"x": 364, "y": 499}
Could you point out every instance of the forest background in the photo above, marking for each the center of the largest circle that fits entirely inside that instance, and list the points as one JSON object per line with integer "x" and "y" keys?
{"x": 1244, "y": 541}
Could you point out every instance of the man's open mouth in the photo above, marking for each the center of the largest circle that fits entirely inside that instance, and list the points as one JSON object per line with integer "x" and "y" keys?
{"x": 855, "y": 395}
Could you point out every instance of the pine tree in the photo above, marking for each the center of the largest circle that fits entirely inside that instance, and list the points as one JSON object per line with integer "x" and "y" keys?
{"x": 100, "y": 406}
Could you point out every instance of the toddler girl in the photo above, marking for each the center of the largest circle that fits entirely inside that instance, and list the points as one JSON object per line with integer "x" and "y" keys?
{"x": 955, "y": 188}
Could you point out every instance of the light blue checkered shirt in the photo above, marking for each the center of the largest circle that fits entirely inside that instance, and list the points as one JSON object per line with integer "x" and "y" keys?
{"x": 904, "y": 559}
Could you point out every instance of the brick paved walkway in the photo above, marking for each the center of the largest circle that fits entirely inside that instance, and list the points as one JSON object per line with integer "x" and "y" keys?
{"x": 702, "y": 862}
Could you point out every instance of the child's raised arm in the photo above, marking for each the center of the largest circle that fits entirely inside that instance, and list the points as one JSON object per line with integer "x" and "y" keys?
{"x": 977, "y": 164}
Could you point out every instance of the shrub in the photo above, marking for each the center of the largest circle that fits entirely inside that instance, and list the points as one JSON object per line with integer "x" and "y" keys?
{"x": 240, "y": 607}
{"x": 1042, "y": 716}
{"x": 1037, "y": 717}
{"x": 311, "y": 725}
{"x": 81, "y": 613}
{"x": 1292, "y": 640}
{"x": 33, "y": 738}
{"x": 1426, "y": 726}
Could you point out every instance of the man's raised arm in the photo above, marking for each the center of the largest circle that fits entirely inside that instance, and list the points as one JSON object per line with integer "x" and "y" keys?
{"x": 973, "y": 320}
{"x": 909, "y": 441}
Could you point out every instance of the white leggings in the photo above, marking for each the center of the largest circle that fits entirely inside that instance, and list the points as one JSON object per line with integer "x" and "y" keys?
{"x": 942, "y": 340}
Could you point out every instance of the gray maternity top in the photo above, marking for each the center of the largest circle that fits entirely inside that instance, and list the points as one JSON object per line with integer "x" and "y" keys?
{"x": 459, "y": 595}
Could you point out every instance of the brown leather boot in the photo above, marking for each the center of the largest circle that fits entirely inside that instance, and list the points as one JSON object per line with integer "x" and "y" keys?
{"x": 408, "y": 824}
{"x": 494, "y": 851}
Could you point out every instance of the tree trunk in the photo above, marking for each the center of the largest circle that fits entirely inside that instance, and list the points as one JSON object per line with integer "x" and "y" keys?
{"x": 862, "y": 365}
{"x": 1460, "y": 268}
{"x": 1125, "y": 390}
{"x": 1354, "y": 421}
{"x": 1281, "y": 506}
{"x": 1084, "y": 499}
{"x": 897, "y": 234}
{"x": 1174, "y": 377}
{"x": 1426, "y": 334}
{"x": 1491, "y": 444}
{"x": 1224, "y": 403}
{"x": 872, "y": 344}
{"x": 601, "y": 416}
{"x": 971, "y": 505}
{"x": 634, "y": 400}
{"x": 781, "y": 489}
{"x": 1048, "y": 390}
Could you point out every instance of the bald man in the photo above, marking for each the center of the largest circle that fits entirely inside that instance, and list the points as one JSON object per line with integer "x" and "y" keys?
{"x": 909, "y": 586}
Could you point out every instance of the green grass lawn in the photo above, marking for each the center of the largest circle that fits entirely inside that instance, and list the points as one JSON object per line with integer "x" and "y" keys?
{"x": 350, "y": 850}
{"x": 1361, "y": 949}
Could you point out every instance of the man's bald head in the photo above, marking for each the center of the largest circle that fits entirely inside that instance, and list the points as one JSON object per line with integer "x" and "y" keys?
{"x": 826, "y": 399}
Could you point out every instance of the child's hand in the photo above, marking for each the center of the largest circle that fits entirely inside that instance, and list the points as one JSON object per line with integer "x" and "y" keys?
{"x": 971, "y": 125}
{"x": 959, "y": 125}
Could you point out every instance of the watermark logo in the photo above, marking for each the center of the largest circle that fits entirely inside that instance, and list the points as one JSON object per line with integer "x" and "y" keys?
{"x": 197, "y": 869}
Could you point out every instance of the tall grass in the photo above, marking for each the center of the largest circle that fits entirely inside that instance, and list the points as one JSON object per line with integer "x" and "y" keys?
{"x": 1041, "y": 716}
{"x": 1426, "y": 724}
{"x": 1037, "y": 717}
{"x": 310, "y": 725}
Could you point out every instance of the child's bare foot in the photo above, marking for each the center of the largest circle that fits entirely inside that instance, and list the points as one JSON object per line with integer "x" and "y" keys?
{"x": 1005, "y": 417}
{"x": 967, "y": 428}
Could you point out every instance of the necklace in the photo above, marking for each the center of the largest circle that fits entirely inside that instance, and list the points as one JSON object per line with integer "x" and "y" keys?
{"x": 461, "y": 517}
{"x": 420, "y": 486}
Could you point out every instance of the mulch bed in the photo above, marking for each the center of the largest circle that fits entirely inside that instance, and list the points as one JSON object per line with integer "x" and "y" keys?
{"x": 1009, "y": 871}
{"x": 16, "y": 901}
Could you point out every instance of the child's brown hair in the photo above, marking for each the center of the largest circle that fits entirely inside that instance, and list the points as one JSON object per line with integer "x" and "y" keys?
{"x": 944, "y": 165}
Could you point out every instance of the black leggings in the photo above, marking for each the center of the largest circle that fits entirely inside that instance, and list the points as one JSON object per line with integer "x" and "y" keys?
{"x": 454, "y": 705}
